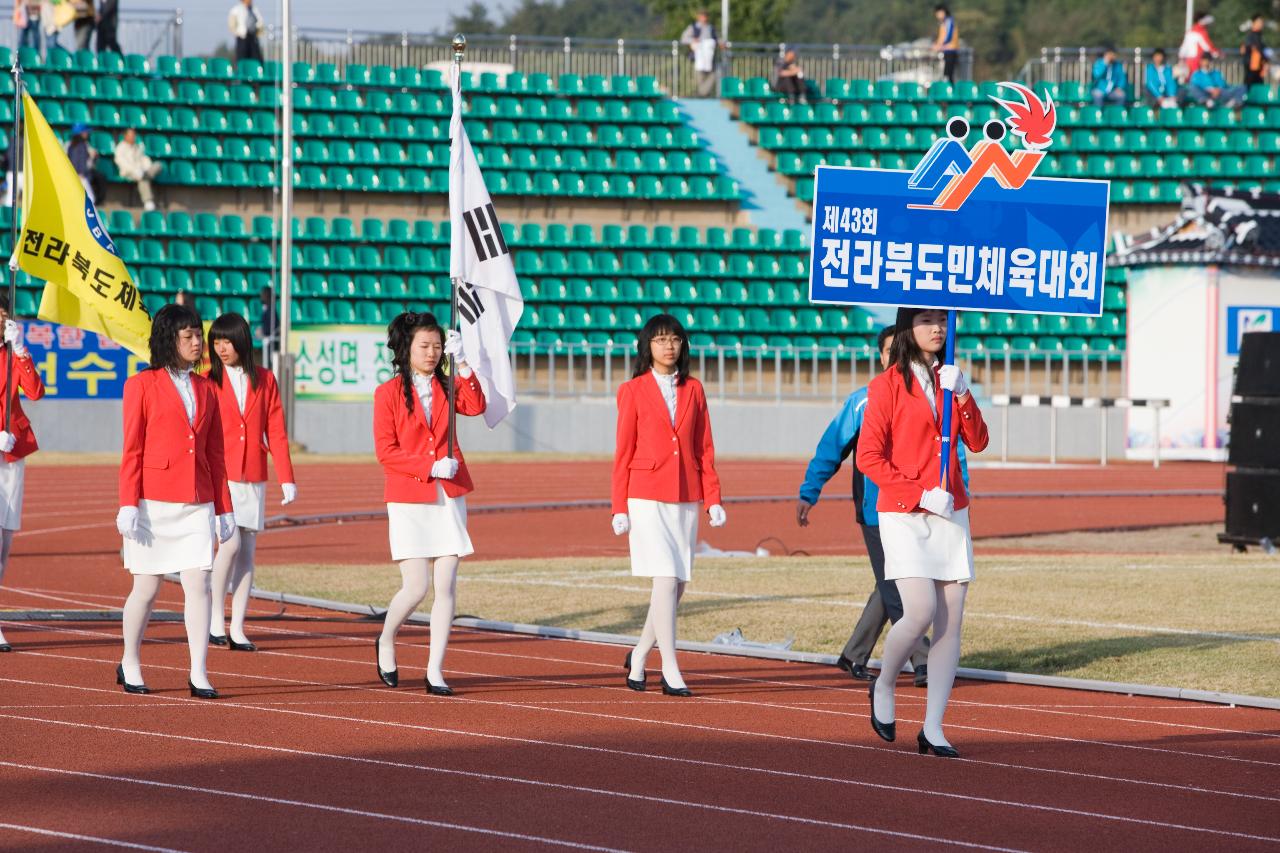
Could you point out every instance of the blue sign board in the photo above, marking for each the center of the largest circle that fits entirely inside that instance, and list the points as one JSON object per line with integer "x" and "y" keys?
{"x": 1243, "y": 319}
{"x": 78, "y": 365}
{"x": 1036, "y": 249}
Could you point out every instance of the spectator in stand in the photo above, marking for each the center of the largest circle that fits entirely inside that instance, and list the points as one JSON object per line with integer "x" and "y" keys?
{"x": 1197, "y": 45}
{"x": 26, "y": 18}
{"x": 1161, "y": 86}
{"x": 134, "y": 165}
{"x": 108, "y": 26}
{"x": 268, "y": 330}
{"x": 184, "y": 299}
{"x": 789, "y": 77}
{"x": 1208, "y": 87}
{"x": 1110, "y": 83}
{"x": 86, "y": 19}
{"x": 702, "y": 40}
{"x": 1254, "y": 53}
{"x": 84, "y": 159}
{"x": 246, "y": 25}
{"x": 50, "y": 25}
{"x": 948, "y": 41}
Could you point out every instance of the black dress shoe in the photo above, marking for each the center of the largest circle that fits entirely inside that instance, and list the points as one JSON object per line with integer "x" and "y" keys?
{"x": 668, "y": 690}
{"x": 887, "y": 731}
{"x": 940, "y": 751}
{"x": 202, "y": 693}
{"x": 638, "y": 686}
{"x": 438, "y": 689}
{"x": 241, "y": 647}
{"x": 392, "y": 678}
{"x": 922, "y": 676}
{"x": 129, "y": 688}
{"x": 857, "y": 671}
{"x": 218, "y": 639}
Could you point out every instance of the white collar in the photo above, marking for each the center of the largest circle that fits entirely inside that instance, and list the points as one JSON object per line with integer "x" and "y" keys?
{"x": 669, "y": 378}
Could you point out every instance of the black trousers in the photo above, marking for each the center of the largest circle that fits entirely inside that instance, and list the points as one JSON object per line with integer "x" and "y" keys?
{"x": 884, "y": 605}
{"x": 248, "y": 48}
{"x": 792, "y": 87}
{"x": 949, "y": 60}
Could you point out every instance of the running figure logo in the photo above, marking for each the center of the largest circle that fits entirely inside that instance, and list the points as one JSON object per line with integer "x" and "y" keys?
{"x": 958, "y": 172}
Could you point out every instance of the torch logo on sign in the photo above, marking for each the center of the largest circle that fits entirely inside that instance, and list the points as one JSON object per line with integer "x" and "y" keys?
{"x": 959, "y": 171}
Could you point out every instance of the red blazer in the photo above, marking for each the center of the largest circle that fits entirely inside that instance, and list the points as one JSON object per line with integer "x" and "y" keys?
{"x": 900, "y": 445}
{"x": 407, "y": 447}
{"x": 242, "y": 434}
{"x": 653, "y": 459}
{"x": 27, "y": 378}
{"x": 165, "y": 458}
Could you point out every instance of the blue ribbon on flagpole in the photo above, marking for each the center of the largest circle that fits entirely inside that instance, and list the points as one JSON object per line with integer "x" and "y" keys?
{"x": 947, "y": 401}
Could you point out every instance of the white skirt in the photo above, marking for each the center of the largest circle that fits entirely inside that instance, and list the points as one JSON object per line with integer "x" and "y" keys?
{"x": 249, "y": 501}
{"x": 13, "y": 476}
{"x": 662, "y": 538}
{"x": 172, "y": 537}
{"x": 424, "y": 531}
{"x": 924, "y": 545}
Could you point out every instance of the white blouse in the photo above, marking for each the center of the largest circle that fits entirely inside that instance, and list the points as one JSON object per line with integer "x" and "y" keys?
{"x": 667, "y": 385}
{"x": 423, "y": 385}
{"x": 239, "y": 384}
{"x": 924, "y": 375}
{"x": 182, "y": 381}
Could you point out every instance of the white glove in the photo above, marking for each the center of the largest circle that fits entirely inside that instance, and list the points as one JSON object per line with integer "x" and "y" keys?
{"x": 717, "y": 515}
{"x": 445, "y": 469}
{"x": 7, "y": 441}
{"x": 127, "y": 521}
{"x": 13, "y": 337}
{"x": 938, "y": 501}
{"x": 621, "y": 524}
{"x": 226, "y": 526}
{"x": 951, "y": 379}
{"x": 453, "y": 345}
{"x": 290, "y": 493}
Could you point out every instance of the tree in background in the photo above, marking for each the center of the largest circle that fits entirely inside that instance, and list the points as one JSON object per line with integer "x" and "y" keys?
{"x": 749, "y": 20}
{"x": 609, "y": 19}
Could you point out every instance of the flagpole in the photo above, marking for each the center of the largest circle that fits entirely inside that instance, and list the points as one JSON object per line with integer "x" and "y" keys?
{"x": 948, "y": 401}
{"x": 15, "y": 168}
{"x": 459, "y": 47}
{"x": 284, "y": 315}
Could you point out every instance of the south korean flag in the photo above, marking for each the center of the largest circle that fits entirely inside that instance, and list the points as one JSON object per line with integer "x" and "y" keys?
{"x": 489, "y": 298}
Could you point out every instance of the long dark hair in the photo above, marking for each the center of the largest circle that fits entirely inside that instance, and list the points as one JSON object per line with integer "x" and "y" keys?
{"x": 232, "y": 327}
{"x": 659, "y": 325}
{"x": 904, "y": 350}
{"x": 400, "y": 334}
{"x": 165, "y": 326}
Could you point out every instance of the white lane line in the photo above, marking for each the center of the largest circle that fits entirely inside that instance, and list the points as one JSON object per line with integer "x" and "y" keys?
{"x": 983, "y": 762}
{"x": 93, "y": 839}
{"x": 894, "y": 789}
{"x": 515, "y": 780}
{"x": 195, "y": 789}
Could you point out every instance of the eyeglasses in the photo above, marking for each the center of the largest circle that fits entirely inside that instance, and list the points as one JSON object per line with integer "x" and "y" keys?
{"x": 668, "y": 340}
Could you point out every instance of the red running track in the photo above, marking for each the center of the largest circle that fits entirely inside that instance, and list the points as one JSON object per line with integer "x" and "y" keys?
{"x": 544, "y": 747}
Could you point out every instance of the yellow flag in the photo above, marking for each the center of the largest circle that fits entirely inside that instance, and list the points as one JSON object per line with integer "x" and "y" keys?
{"x": 66, "y": 244}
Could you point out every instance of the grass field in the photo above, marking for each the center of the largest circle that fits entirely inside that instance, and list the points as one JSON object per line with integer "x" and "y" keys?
{"x": 1198, "y": 617}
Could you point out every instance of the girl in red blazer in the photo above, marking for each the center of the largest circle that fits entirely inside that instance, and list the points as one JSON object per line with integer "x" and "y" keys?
{"x": 252, "y": 423}
{"x": 663, "y": 469}
{"x": 173, "y": 491}
{"x": 425, "y": 486}
{"x": 924, "y": 528}
{"x": 18, "y": 442}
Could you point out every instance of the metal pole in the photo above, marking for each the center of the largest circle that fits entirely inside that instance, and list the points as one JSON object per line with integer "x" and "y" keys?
{"x": 15, "y": 169}
{"x": 286, "y": 208}
{"x": 1053, "y": 433}
{"x": 459, "y": 47}
{"x": 724, "y": 20}
{"x": 948, "y": 402}
{"x": 1155, "y": 458}
{"x": 1191, "y": 7}
{"x": 1102, "y": 409}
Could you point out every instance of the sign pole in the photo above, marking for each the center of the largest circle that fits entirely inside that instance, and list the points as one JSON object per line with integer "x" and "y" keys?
{"x": 459, "y": 47}
{"x": 947, "y": 399}
{"x": 15, "y": 170}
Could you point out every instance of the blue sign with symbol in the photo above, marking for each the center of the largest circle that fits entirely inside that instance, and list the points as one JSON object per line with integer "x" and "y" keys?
{"x": 1241, "y": 320}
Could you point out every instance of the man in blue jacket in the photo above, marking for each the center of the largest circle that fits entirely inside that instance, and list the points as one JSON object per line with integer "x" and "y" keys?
{"x": 837, "y": 443}
{"x": 1109, "y": 80}
{"x": 1161, "y": 87}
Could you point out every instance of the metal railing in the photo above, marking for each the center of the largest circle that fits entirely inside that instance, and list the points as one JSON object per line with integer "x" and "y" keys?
{"x": 808, "y": 373}
{"x": 1075, "y": 64}
{"x": 150, "y": 32}
{"x": 666, "y": 61}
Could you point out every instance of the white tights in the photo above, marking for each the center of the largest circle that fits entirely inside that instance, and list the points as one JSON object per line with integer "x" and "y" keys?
{"x": 195, "y": 611}
{"x": 417, "y": 577}
{"x": 6, "y": 542}
{"x": 660, "y": 628}
{"x": 233, "y": 567}
{"x": 924, "y": 602}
